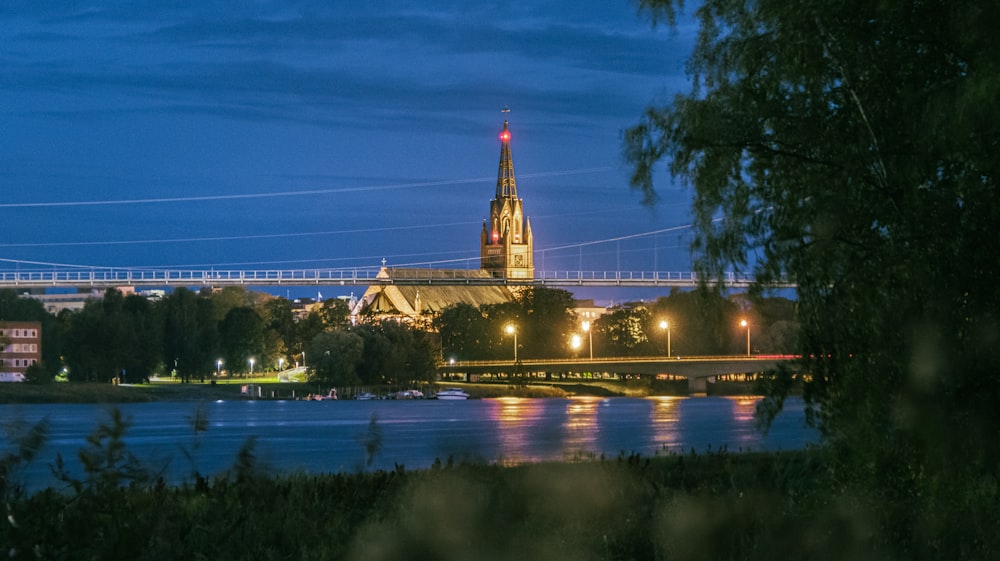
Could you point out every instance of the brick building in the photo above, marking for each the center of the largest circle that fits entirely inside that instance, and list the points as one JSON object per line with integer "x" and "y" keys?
{"x": 20, "y": 347}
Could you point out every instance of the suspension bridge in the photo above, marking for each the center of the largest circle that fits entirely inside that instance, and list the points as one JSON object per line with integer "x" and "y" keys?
{"x": 106, "y": 278}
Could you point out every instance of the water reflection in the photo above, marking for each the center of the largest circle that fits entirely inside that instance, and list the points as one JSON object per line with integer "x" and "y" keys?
{"x": 580, "y": 426}
{"x": 664, "y": 417}
{"x": 743, "y": 409}
{"x": 329, "y": 437}
{"x": 520, "y": 432}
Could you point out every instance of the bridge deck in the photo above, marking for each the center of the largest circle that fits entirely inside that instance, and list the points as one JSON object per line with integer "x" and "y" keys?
{"x": 343, "y": 277}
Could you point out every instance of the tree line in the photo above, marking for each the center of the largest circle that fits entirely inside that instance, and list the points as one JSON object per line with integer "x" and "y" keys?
{"x": 193, "y": 335}
{"x": 700, "y": 323}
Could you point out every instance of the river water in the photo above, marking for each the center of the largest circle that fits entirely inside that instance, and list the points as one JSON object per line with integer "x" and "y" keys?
{"x": 331, "y": 436}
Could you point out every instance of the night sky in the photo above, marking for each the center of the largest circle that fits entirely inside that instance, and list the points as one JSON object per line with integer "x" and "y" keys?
{"x": 280, "y": 135}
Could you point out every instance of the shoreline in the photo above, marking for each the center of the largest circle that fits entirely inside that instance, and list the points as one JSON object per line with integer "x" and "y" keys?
{"x": 83, "y": 392}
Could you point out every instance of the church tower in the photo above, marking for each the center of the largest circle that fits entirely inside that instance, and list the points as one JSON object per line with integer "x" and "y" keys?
{"x": 507, "y": 246}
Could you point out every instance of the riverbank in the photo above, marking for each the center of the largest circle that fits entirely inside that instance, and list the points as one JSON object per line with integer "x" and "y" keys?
{"x": 271, "y": 388}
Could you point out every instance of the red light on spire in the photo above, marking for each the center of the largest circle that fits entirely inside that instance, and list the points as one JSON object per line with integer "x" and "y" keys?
{"x": 505, "y": 136}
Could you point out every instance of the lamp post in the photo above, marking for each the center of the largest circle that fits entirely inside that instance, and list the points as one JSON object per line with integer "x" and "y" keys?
{"x": 744, "y": 323}
{"x": 590, "y": 337}
{"x": 281, "y": 362}
{"x": 218, "y": 368}
{"x": 251, "y": 367}
{"x": 511, "y": 330}
{"x": 666, "y": 325}
{"x": 575, "y": 342}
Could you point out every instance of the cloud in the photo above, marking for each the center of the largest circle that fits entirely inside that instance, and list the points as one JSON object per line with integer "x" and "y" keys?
{"x": 323, "y": 65}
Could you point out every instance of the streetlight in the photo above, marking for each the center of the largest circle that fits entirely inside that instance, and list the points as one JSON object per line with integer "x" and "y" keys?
{"x": 666, "y": 325}
{"x": 743, "y": 323}
{"x": 575, "y": 342}
{"x": 251, "y": 367}
{"x": 511, "y": 330}
{"x": 281, "y": 361}
{"x": 218, "y": 368}
{"x": 590, "y": 336}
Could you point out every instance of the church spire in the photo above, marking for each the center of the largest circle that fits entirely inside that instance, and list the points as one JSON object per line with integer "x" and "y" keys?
{"x": 506, "y": 186}
{"x": 507, "y": 244}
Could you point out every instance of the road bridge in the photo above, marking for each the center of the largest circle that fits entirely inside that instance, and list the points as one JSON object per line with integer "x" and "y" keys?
{"x": 157, "y": 278}
{"x": 697, "y": 370}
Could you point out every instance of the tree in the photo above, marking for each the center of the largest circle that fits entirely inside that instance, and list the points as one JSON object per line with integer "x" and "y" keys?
{"x": 548, "y": 321}
{"x": 396, "y": 353}
{"x": 190, "y": 333}
{"x": 241, "y": 337}
{"x": 622, "y": 331}
{"x": 335, "y": 313}
{"x": 281, "y": 329}
{"x": 499, "y": 317}
{"x": 38, "y": 374}
{"x": 332, "y": 314}
{"x": 464, "y": 332}
{"x": 701, "y": 323}
{"x": 115, "y": 337}
{"x": 851, "y": 147}
{"x": 334, "y": 357}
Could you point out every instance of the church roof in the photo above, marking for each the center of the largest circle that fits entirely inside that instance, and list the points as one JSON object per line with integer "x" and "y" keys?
{"x": 423, "y": 300}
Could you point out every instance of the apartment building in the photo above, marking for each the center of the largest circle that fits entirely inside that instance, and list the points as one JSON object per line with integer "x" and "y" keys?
{"x": 20, "y": 347}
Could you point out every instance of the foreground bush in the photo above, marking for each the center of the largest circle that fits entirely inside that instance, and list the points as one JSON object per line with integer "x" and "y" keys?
{"x": 715, "y": 506}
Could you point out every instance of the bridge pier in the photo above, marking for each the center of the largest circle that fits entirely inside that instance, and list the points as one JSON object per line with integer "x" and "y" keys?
{"x": 698, "y": 385}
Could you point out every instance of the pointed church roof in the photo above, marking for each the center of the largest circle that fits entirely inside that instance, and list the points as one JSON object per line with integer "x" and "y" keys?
{"x": 506, "y": 186}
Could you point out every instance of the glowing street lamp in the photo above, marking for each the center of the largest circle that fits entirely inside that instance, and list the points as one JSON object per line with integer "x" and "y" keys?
{"x": 511, "y": 330}
{"x": 218, "y": 368}
{"x": 590, "y": 336}
{"x": 666, "y": 325}
{"x": 575, "y": 342}
{"x": 281, "y": 362}
{"x": 743, "y": 323}
{"x": 251, "y": 361}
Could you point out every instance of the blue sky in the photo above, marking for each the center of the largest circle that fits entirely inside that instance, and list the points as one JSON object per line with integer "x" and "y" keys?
{"x": 276, "y": 135}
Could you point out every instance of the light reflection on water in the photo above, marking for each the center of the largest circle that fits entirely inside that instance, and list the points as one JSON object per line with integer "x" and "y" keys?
{"x": 663, "y": 417}
{"x": 581, "y": 425}
{"x": 329, "y": 436}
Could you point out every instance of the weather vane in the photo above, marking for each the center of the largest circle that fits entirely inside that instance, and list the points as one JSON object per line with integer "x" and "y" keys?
{"x": 506, "y": 109}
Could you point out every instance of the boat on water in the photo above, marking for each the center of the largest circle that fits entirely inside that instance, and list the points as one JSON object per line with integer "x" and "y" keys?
{"x": 407, "y": 394}
{"x": 332, "y": 395}
{"x": 366, "y": 396}
{"x": 452, "y": 393}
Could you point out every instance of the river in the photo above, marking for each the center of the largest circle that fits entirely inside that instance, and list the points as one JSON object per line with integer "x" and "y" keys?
{"x": 331, "y": 436}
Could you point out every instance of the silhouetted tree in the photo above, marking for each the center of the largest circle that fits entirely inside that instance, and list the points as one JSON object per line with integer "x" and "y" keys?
{"x": 852, "y": 146}
{"x": 334, "y": 357}
{"x": 241, "y": 337}
{"x": 464, "y": 330}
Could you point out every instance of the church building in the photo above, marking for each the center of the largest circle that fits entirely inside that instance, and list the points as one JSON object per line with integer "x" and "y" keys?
{"x": 506, "y": 252}
{"x": 506, "y": 241}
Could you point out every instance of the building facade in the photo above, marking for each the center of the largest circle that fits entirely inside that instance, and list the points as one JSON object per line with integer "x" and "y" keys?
{"x": 20, "y": 348}
{"x": 506, "y": 243}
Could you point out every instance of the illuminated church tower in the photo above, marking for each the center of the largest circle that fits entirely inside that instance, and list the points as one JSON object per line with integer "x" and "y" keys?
{"x": 506, "y": 240}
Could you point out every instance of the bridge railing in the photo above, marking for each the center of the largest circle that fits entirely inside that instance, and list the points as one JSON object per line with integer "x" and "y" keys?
{"x": 169, "y": 276}
{"x": 619, "y": 359}
{"x": 360, "y": 276}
